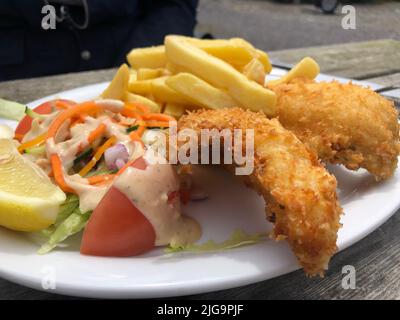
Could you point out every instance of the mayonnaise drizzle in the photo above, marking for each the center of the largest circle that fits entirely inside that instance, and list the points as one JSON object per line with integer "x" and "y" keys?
{"x": 148, "y": 190}
{"x": 39, "y": 126}
{"x": 113, "y": 105}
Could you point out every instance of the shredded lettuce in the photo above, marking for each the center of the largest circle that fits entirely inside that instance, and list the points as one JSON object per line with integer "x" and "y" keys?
{"x": 66, "y": 209}
{"x": 72, "y": 225}
{"x": 238, "y": 238}
{"x": 11, "y": 110}
{"x": 70, "y": 221}
{"x": 36, "y": 150}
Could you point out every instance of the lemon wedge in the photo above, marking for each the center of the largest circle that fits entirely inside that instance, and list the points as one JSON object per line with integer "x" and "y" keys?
{"x": 29, "y": 201}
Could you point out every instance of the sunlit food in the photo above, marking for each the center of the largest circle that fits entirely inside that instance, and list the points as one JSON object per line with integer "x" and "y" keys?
{"x": 94, "y": 167}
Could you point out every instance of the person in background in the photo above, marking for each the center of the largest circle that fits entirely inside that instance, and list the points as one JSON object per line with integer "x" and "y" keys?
{"x": 88, "y": 34}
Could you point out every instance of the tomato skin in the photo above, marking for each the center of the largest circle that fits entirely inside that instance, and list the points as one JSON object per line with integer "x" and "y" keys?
{"x": 139, "y": 163}
{"x": 117, "y": 228}
{"x": 45, "y": 108}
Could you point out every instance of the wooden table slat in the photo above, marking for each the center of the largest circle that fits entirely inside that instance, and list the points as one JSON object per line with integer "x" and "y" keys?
{"x": 360, "y": 60}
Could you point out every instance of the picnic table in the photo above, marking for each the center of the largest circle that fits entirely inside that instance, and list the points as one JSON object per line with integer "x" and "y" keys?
{"x": 376, "y": 258}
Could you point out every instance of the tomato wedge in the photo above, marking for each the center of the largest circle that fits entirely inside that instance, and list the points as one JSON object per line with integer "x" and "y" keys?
{"x": 45, "y": 108}
{"x": 117, "y": 228}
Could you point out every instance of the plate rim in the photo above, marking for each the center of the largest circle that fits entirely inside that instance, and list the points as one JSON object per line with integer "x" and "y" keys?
{"x": 174, "y": 289}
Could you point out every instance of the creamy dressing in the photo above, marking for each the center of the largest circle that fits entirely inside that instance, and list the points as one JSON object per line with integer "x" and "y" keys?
{"x": 89, "y": 196}
{"x": 39, "y": 126}
{"x": 111, "y": 104}
{"x": 148, "y": 190}
{"x": 67, "y": 150}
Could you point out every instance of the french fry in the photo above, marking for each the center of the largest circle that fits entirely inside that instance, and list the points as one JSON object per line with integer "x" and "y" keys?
{"x": 118, "y": 85}
{"x": 162, "y": 92}
{"x": 152, "y": 57}
{"x": 158, "y": 89}
{"x": 147, "y": 73}
{"x": 248, "y": 94}
{"x": 203, "y": 94}
{"x": 135, "y": 98}
{"x": 255, "y": 71}
{"x": 174, "y": 110}
{"x": 256, "y": 53}
{"x": 264, "y": 59}
{"x": 174, "y": 69}
{"x": 142, "y": 87}
{"x": 306, "y": 68}
{"x": 233, "y": 53}
{"x": 132, "y": 75}
{"x": 236, "y": 52}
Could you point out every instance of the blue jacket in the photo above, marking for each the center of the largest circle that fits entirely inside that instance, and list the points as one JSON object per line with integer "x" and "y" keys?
{"x": 115, "y": 27}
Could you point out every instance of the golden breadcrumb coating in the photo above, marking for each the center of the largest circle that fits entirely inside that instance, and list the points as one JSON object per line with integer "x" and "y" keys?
{"x": 344, "y": 123}
{"x": 300, "y": 194}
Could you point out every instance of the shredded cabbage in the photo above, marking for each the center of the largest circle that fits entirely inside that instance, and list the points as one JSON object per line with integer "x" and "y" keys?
{"x": 72, "y": 225}
{"x": 238, "y": 238}
{"x": 70, "y": 220}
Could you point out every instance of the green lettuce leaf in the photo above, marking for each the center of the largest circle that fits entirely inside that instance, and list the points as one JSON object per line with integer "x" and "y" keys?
{"x": 11, "y": 110}
{"x": 66, "y": 209}
{"x": 70, "y": 226}
{"x": 238, "y": 238}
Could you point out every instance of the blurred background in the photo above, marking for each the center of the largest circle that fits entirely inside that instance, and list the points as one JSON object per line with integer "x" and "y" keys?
{"x": 97, "y": 34}
{"x": 277, "y": 25}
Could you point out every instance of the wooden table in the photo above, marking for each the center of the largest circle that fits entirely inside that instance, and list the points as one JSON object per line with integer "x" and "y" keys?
{"x": 376, "y": 258}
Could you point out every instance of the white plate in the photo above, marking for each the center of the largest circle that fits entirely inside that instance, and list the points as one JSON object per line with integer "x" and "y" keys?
{"x": 366, "y": 204}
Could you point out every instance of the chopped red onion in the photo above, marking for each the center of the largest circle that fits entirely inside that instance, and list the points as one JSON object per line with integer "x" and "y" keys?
{"x": 120, "y": 163}
{"x": 115, "y": 156}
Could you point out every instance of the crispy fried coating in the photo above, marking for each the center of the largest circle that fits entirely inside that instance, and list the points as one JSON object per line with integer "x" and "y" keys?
{"x": 300, "y": 194}
{"x": 344, "y": 123}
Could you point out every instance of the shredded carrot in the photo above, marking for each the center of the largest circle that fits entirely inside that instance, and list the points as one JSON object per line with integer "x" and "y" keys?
{"x": 126, "y": 166}
{"x": 101, "y": 179}
{"x": 18, "y": 136}
{"x": 155, "y": 123}
{"x": 137, "y": 134}
{"x": 69, "y": 113}
{"x": 99, "y": 152}
{"x": 142, "y": 126}
{"x": 113, "y": 120}
{"x": 158, "y": 117}
{"x": 32, "y": 143}
{"x": 137, "y": 106}
{"x": 96, "y": 133}
{"x": 134, "y": 137}
{"x": 59, "y": 175}
{"x": 63, "y": 104}
{"x": 126, "y": 122}
{"x": 130, "y": 113}
{"x": 75, "y": 122}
